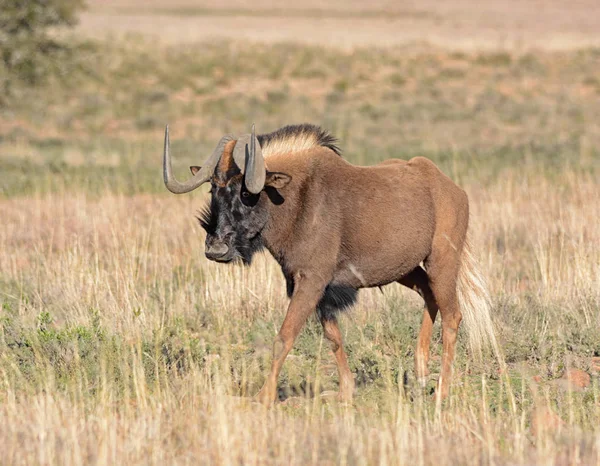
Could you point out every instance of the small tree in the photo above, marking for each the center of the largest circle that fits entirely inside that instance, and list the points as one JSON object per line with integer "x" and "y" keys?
{"x": 29, "y": 49}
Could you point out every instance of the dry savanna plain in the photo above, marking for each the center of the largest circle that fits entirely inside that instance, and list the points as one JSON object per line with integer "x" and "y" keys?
{"x": 121, "y": 344}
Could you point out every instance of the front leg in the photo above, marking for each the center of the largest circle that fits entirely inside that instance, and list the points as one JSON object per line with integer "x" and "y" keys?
{"x": 308, "y": 289}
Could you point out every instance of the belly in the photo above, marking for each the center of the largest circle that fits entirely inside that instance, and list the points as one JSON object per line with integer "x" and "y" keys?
{"x": 383, "y": 259}
{"x": 376, "y": 270}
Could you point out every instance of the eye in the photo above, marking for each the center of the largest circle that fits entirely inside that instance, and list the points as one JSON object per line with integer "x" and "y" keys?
{"x": 245, "y": 194}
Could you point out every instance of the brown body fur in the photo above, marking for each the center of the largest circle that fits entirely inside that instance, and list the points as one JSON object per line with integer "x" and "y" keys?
{"x": 363, "y": 227}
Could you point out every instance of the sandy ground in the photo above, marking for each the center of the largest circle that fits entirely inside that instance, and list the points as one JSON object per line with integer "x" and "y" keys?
{"x": 460, "y": 24}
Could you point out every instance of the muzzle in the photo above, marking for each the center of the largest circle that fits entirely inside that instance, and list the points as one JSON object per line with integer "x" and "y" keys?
{"x": 218, "y": 250}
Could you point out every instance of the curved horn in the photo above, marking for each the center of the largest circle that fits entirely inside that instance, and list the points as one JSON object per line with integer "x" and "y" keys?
{"x": 199, "y": 178}
{"x": 255, "y": 166}
{"x": 239, "y": 152}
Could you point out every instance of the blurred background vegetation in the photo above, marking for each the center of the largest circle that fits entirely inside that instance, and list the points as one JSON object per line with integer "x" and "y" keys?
{"x": 86, "y": 112}
{"x": 29, "y": 49}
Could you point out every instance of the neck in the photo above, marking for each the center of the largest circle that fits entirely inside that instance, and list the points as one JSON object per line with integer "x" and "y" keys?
{"x": 284, "y": 212}
{"x": 278, "y": 232}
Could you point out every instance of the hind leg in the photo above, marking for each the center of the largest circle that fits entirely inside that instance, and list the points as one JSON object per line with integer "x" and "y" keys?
{"x": 419, "y": 281}
{"x": 451, "y": 317}
{"x": 442, "y": 268}
{"x": 333, "y": 334}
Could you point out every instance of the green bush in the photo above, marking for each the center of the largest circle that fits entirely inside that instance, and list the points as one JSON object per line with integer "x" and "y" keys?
{"x": 30, "y": 49}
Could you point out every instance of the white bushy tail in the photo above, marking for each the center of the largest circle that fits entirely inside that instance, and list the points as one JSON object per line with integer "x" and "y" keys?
{"x": 475, "y": 305}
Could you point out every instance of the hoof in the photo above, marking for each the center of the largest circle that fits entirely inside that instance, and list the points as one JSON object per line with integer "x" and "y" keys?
{"x": 264, "y": 399}
{"x": 423, "y": 381}
{"x": 439, "y": 395}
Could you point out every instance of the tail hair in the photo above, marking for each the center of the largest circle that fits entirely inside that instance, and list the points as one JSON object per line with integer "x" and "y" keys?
{"x": 475, "y": 304}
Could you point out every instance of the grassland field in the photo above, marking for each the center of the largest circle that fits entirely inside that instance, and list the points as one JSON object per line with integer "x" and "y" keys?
{"x": 121, "y": 344}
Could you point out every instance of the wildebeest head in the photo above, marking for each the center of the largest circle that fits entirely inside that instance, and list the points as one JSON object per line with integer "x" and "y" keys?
{"x": 240, "y": 189}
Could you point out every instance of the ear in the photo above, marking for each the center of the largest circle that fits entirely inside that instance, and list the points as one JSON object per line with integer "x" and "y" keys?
{"x": 277, "y": 180}
{"x": 195, "y": 169}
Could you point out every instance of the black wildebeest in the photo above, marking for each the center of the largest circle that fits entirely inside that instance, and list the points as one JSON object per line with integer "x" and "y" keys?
{"x": 334, "y": 227}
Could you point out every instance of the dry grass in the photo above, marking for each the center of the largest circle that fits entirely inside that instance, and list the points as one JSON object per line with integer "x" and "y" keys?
{"x": 121, "y": 344}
